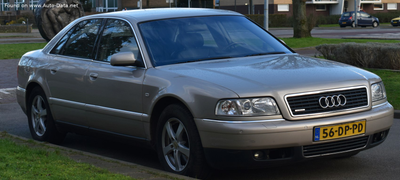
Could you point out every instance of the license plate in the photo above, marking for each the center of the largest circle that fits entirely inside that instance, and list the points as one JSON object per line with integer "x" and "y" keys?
{"x": 343, "y": 22}
{"x": 394, "y": 22}
{"x": 339, "y": 131}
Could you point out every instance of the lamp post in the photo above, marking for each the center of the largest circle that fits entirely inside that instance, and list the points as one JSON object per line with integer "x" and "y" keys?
{"x": 355, "y": 13}
{"x": 266, "y": 3}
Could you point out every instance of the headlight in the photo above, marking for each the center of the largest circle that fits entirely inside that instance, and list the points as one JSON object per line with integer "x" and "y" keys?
{"x": 247, "y": 107}
{"x": 378, "y": 91}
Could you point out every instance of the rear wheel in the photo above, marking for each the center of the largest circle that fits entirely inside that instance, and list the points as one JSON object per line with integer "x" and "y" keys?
{"x": 178, "y": 143}
{"x": 41, "y": 123}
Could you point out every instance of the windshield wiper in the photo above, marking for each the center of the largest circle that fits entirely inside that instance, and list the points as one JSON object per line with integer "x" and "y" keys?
{"x": 260, "y": 54}
{"x": 223, "y": 57}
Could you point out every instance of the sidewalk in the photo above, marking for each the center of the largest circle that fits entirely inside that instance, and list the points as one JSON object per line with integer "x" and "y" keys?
{"x": 13, "y": 38}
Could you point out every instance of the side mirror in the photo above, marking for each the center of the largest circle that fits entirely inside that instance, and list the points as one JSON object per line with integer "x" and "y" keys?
{"x": 123, "y": 59}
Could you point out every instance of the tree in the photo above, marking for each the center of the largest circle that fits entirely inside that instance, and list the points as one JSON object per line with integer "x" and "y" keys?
{"x": 301, "y": 27}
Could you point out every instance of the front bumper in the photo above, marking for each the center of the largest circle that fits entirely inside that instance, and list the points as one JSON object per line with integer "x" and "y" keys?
{"x": 21, "y": 98}
{"x": 219, "y": 137}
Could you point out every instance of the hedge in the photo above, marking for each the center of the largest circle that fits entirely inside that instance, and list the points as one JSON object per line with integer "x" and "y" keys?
{"x": 282, "y": 20}
{"x": 15, "y": 28}
{"x": 385, "y": 17}
{"x": 365, "y": 55}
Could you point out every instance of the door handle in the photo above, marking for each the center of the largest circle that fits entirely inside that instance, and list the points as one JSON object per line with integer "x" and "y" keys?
{"x": 53, "y": 71}
{"x": 93, "y": 76}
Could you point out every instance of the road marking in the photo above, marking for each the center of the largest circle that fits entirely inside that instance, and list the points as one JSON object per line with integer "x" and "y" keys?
{"x": 4, "y": 91}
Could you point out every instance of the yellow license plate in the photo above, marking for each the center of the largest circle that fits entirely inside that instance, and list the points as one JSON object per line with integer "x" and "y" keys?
{"x": 343, "y": 22}
{"x": 394, "y": 22}
{"x": 339, "y": 131}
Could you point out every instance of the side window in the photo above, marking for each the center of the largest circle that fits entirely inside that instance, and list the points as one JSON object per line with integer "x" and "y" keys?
{"x": 117, "y": 37}
{"x": 80, "y": 40}
{"x": 364, "y": 15}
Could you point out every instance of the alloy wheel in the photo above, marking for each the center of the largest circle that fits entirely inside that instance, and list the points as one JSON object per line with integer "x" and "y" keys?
{"x": 39, "y": 116}
{"x": 175, "y": 144}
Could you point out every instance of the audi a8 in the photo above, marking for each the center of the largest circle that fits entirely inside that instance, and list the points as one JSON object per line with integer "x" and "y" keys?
{"x": 205, "y": 88}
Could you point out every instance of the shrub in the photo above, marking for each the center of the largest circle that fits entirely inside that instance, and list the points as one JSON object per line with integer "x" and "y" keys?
{"x": 275, "y": 20}
{"x": 20, "y": 20}
{"x": 15, "y": 29}
{"x": 365, "y": 55}
{"x": 331, "y": 19}
{"x": 385, "y": 17}
{"x": 11, "y": 22}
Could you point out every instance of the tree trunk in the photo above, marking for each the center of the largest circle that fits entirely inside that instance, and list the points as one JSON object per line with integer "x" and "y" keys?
{"x": 300, "y": 25}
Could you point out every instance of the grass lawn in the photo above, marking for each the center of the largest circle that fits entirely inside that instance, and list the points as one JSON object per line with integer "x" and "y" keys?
{"x": 22, "y": 162}
{"x": 391, "y": 80}
{"x": 311, "y": 42}
{"x": 337, "y": 25}
{"x": 15, "y": 51}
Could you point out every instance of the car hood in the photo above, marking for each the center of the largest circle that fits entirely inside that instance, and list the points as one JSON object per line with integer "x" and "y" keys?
{"x": 398, "y": 18}
{"x": 274, "y": 75}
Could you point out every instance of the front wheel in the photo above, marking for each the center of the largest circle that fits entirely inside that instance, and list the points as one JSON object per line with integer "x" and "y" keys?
{"x": 40, "y": 120}
{"x": 178, "y": 143}
{"x": 375, "y": 24}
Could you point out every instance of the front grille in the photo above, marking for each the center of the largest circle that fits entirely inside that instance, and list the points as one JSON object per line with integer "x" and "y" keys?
{"x": 335, "y": 147}
{"x": 309, "y": 104}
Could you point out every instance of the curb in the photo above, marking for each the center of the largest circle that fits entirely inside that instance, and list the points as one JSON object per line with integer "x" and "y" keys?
{"x": 134, "y": 169}
{"x": 372, "y": 37}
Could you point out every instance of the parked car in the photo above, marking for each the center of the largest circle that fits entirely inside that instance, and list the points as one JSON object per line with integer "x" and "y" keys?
{"x": 395, "y": 21}
{"x": 363, "y": 19}
{"x": 205, "y": 88}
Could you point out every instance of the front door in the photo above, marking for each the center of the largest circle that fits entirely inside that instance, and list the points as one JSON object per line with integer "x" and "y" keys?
{"x": 115, "y": 93}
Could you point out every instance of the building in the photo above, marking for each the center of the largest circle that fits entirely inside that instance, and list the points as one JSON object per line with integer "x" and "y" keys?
{"x": 317, "y": 7}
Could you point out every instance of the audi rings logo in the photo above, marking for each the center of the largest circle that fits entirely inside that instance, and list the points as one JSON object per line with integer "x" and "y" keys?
{"x": 332, "y": 101}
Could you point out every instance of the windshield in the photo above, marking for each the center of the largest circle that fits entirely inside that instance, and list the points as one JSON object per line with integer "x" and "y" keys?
{"x": 183, "y": 40}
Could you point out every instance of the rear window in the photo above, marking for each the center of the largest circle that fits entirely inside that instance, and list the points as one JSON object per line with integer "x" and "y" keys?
{"x": 347, "y": 14}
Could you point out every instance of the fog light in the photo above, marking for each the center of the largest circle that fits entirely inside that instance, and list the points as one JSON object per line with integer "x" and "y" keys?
{"x": 383, "y": 134}
{"x": 258, "y": 155}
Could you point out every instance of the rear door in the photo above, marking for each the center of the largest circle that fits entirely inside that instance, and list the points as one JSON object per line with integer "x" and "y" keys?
{"x": 70, "y": 60}
{"x": 114, "y": 98}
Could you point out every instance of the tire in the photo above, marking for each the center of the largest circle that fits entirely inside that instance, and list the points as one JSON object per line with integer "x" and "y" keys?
{"x": 353, "y": 24}
{"x": 184, "y": 147}
{"x": 375, "y": 24}
{"x": 40, "y": 120}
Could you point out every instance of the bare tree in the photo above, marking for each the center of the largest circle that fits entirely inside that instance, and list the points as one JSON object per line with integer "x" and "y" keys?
{"x": 301, "y": 27}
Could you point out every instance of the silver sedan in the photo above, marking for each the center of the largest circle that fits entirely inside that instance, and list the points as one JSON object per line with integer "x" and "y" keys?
{"x": 205, "y": 88}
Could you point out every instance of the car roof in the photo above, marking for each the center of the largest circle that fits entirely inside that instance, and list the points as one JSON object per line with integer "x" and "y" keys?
{"x": 141, "y": 15}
